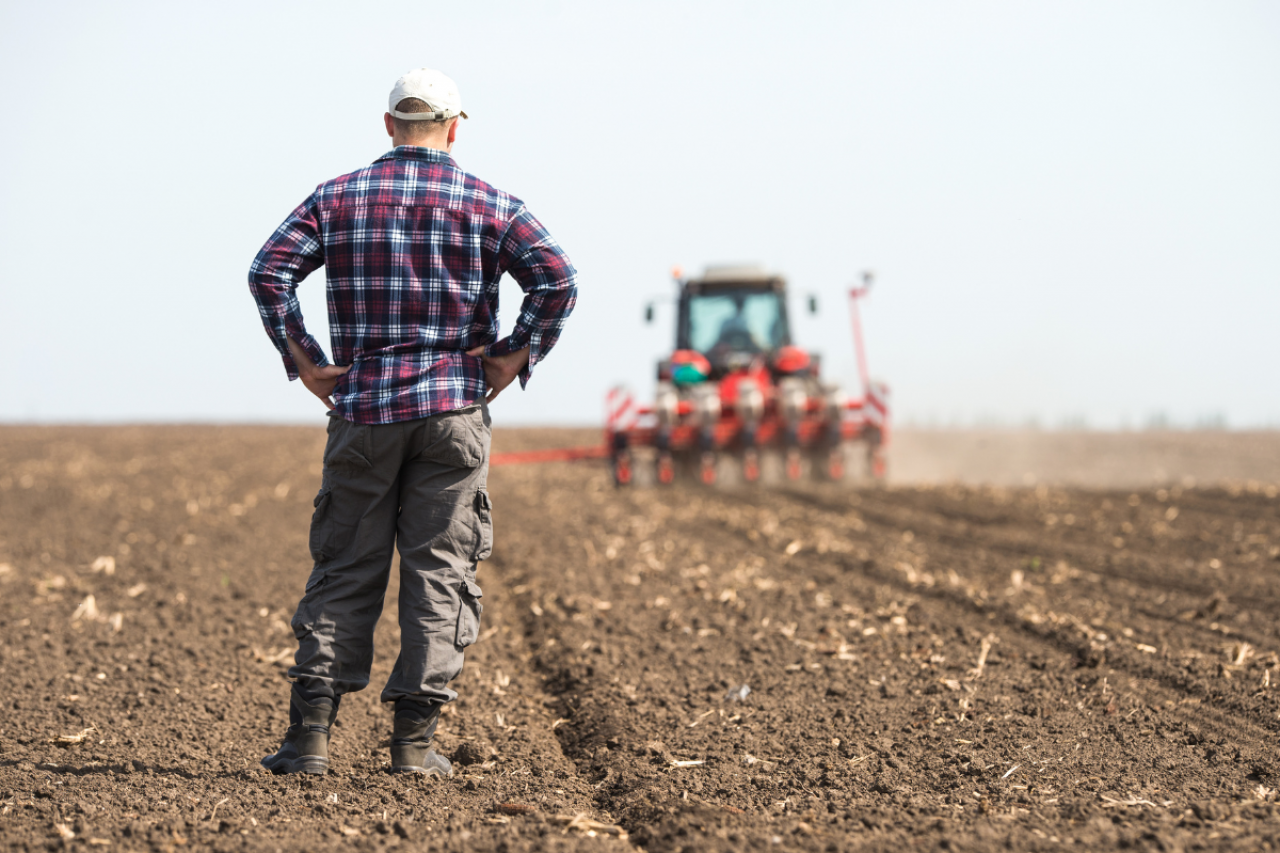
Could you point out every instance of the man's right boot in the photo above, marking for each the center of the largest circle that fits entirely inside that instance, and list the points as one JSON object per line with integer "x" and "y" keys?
{"x": 306, "y": 743}
{"x": 411, "y": 750}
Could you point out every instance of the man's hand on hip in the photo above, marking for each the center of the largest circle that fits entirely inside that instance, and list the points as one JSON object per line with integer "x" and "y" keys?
{"x": 500, "y": 370}
{"x": 319, "y": 380}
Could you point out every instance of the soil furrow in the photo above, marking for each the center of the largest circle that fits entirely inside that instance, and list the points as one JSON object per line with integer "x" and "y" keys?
{"x": 1077, "y": 633}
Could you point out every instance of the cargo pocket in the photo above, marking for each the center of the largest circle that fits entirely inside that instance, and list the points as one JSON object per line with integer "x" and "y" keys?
{"x": 329, "y": 534}
{"x": 484, "y": 516}
{"x": 469, "y": 610}
{"x": 314, "y": 581}
{"x": 322, "y": 526}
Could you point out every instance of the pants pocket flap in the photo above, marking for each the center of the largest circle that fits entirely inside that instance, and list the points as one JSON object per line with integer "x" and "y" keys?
{"x": 321, "y": 527}
{"x": 469, "y": 610}
{"x": 484, "y": 517}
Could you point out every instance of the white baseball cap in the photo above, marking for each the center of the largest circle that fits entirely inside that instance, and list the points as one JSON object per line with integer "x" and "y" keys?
{"x": 426, "y": 84}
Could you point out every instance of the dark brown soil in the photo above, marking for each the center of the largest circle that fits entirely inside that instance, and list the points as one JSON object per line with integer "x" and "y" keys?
{"x": 808, "y": 668}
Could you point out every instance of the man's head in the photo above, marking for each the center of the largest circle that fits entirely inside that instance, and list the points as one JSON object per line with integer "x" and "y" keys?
{"x": 424, "y": 110}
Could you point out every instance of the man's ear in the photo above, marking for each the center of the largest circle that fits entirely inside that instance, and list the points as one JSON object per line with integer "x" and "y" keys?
{"x": 390, "y": 123}
{"x": 453, "y": 130}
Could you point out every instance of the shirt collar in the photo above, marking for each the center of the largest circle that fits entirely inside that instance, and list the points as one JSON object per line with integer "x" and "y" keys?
{"x": 417, "y": 152}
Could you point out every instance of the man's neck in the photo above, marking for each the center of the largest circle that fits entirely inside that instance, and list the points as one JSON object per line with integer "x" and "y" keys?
{"x": 438, "y": 144}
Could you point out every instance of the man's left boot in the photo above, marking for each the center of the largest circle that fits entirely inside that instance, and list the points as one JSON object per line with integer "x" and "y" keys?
{"x": 306, "y": 742}
{"x": 411, "y": 750}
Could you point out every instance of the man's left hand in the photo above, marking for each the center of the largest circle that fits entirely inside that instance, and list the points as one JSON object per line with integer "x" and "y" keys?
{"x": 319, "y": 380}
{"x": 500, "y": 370}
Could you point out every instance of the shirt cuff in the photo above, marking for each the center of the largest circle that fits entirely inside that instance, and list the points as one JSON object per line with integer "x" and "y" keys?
{"x": 511, "y": 344}
{"x": 310, "y": 346}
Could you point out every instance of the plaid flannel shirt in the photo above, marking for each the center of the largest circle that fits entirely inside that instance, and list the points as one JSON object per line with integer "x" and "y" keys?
{"x": 413, "y": 249}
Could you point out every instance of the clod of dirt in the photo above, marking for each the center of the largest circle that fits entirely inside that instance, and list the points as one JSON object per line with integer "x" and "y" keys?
{"x": 883, "y": 785}
{"x": 1209, "y": 810}
{"x": 654, "y": 749}
{"x": 1212, "y": 607}
{"x": 470, "y": 753}
{"x": 1090, "y": 657}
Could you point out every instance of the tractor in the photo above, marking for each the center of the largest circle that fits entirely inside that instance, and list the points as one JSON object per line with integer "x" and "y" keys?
{"x": 737, "y": 388}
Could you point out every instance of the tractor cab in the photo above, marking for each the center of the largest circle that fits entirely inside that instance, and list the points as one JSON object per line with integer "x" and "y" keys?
{"x": 734, "y": 319}
{"x": 733, "y": 315}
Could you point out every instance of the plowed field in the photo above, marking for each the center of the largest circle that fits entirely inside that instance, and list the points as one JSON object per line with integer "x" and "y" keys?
{"x": 809, "y": 667}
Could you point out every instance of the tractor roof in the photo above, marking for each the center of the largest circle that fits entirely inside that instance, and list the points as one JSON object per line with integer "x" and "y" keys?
{"x": 739, "y": 275}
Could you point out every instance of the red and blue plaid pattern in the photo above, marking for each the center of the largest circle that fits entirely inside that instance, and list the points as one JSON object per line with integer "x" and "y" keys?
{"x": 413, "y": 249}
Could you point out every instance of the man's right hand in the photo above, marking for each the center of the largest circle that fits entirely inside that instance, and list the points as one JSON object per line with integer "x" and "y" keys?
{"x": 500, "y": 370}
{"x": 318, "y": 380}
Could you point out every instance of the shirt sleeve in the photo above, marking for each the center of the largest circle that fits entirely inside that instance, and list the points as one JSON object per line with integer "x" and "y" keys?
{"x": 291, "y": 254}
{"x": 533, "y": 258}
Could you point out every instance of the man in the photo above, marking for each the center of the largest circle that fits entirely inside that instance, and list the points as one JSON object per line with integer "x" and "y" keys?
{"x": 413, "y": 250}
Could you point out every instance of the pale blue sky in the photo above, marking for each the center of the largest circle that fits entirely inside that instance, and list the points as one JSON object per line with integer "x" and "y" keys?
{"x": 1073, "y": 209}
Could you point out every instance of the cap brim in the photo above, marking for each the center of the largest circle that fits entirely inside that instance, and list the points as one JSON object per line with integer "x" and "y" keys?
{"x": 433, "y": 116}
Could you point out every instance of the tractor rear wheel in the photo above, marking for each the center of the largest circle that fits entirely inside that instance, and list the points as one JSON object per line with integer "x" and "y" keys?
{"x": 877, "y": 465}
{"x": 622, "y": 468}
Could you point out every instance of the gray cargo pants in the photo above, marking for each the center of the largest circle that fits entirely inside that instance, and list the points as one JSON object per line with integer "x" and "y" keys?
{"x": 418, "y": 485}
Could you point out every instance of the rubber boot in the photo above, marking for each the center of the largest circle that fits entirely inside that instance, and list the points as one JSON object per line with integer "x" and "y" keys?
{"x": 306, "y": 743}
{"x": 411, "y": 750}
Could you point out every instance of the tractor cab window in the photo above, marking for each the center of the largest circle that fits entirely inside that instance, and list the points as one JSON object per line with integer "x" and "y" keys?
{"x": 739, "y": 322}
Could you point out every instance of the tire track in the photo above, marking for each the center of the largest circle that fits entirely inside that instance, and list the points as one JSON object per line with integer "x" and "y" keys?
{"x": 1231, "y": 712}
{"x": 1005, "y": 534}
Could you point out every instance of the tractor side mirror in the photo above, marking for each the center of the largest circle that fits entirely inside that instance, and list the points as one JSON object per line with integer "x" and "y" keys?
{"x": 648, "y": 313}
{"x": 813, "y": 305}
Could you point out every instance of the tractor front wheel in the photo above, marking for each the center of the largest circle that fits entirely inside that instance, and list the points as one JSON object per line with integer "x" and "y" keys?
{"x": 666, "y": 469}
{"x": 835, "y": 464}
{"x": 793, "y": 464}
{"x": 707, "y": 470}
